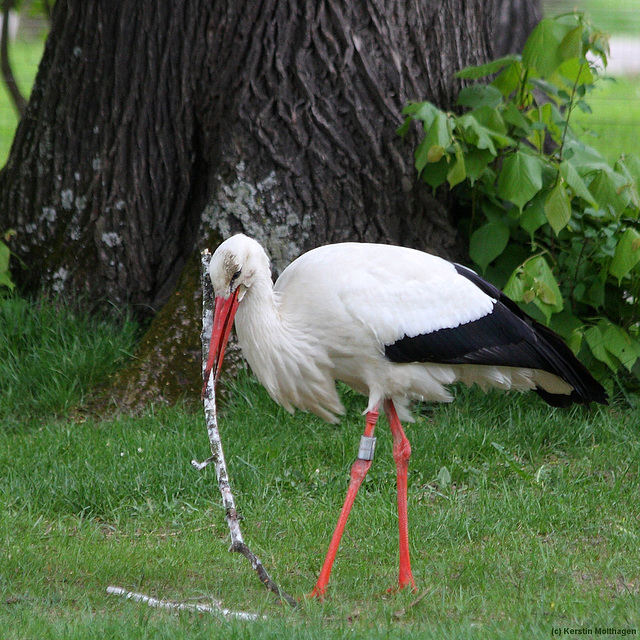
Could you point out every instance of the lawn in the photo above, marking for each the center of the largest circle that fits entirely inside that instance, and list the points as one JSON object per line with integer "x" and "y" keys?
{"x": 619, "y": 17}
{"x": 522, "y": 518}
{"x": 612, "y": 127}
{"x": 25, "y": 57}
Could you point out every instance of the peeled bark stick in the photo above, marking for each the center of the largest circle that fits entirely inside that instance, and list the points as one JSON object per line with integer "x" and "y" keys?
{"x": 215, "y": 607}
{"x": 217, "y": 454}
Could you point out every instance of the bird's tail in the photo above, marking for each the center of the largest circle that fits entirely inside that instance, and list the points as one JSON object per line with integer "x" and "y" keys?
{"x": 564, "y": 364}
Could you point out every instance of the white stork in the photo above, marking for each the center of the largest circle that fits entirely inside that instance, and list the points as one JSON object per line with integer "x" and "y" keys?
{"x": 395, "y": 324}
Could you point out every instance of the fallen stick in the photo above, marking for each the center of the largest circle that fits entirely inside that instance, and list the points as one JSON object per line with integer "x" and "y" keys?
{"x": 215, "y": 607}
{"x": 217, "y": 454}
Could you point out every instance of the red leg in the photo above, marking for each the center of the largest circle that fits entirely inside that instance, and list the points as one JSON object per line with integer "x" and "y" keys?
{"x": 401, "y": 454}
{"x": 358, "y": 473}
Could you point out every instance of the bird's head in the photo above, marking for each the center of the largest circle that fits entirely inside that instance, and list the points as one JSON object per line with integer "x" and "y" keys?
{"x": 235, "y": 265}
{"x": 233, "y": 269}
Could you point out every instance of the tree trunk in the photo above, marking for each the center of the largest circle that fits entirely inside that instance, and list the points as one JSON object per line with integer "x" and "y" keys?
{"x": 512, "y": 22}
{"x": 103, "y": 185}
{"x": 156, "y": 127}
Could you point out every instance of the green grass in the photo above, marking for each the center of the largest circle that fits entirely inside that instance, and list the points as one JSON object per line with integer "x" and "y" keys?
{"x": 613, "y": 125}
{"x": 615, "y": 16}
{"x": 534, "y": 524}
{"x": 618, "y": 17}
{"x": 25, "y": 57}
{"x": 51, "y": 357}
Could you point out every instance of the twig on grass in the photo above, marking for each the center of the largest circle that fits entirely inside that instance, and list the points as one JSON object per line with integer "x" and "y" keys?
{"x": 217, "y": 454}
{"x": 215, "y": 607}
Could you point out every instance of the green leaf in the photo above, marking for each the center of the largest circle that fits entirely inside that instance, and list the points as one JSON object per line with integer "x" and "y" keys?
{"x": 557, "y": 208}
{"x": 585, "y": 158}
{"x": 632, "y": 165}
{"x": 484, "y": 128}
{"x": 436, "y": 174}
{"x": 533, "y": 216}
{"x": 509, "y": 79}
{"x": 547, "y": 296}
{"x": 457, "y": 173}
{"x": 546, "y": 118}
{"x": 599, "y": 45}
{"x": 627, "y": 254}
{"x": 476, "y": 161}
{"x": 435, "y": 153}
{"x": 570, "y": 328}
{"x": 515, "y": 287}
{"x": 5, "y": 281}
{"x": 596, "y": 294}
{"x": 488, "y": 242}
{"x": 5, "y": 254}
{"x": 625, "y": 167}
{"x": 619, "y": 343}
{"x": 488, "y": 69}
{"x": 595, "y": 340}
{"x": 443, "y": 478}
{"x": 550, "y": 89}
{"x": 608, "y": 189}
{"x": 513, "y": 116}
{"x": 438, "y": 135}
{"x": 575, "y": 72}
{"x": 5, "y": 274}
{"x": 520, "y": 178}
{"x": 573, "y": 179}
{"x": 571, "y": 45}
{"x": 475, "y": 133}
{"x": 421, "y": 155}
{"x": 423, "y": 111}
{"x": 403, "y": 129}
{"x": 479, "y": 95}
{"x": 544, "y": 50}
{"x": 584, "y": 107}
{"x": 492, "y": 121}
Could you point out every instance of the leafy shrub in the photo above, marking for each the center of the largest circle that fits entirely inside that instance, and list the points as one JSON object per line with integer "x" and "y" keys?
{"x": 550, "y": 220}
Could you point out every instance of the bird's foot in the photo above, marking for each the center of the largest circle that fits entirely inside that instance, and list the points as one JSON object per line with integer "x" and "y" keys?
{"x": 403, "y": 584}
{"x": 318, "y": 593}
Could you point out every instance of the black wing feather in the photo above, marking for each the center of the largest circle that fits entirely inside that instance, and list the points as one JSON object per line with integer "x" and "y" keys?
{"x": 505, "y": 337}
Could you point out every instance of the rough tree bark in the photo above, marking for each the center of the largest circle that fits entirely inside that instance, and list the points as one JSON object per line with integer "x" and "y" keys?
{"x": 102, "y": 183}
{"x": 154, "y": 127}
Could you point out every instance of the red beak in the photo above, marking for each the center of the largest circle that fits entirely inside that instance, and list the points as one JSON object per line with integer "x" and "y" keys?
{"x": 225, "y": 311}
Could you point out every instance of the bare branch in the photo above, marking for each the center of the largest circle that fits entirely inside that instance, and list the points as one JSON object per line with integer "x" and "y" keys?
{"x": 201, "y": 465}
{"x": 7, "y": 72}
{"x": 47, "y": 9}
{"x": 215, "y": 607}
{"x": 217, "y": 454}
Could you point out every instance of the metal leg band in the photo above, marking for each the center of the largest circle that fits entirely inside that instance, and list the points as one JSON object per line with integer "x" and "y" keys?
{"x": 367, "y": 447}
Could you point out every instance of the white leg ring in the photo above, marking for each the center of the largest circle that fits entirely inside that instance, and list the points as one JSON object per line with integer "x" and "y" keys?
{"x": 367, "y": 447}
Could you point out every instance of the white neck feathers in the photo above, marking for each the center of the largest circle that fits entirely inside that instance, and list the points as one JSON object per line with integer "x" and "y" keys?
{"x": 290, "y": 363}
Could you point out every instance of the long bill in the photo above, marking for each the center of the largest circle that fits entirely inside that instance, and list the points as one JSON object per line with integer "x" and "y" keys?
{"x": 225, "y": 311}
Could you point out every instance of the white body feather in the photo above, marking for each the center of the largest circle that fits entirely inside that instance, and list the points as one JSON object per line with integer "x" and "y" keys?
{"x": 333, "y": 310}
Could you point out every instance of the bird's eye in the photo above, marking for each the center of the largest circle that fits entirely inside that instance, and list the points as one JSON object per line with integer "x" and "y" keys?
{"x": 235, "y": 276}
